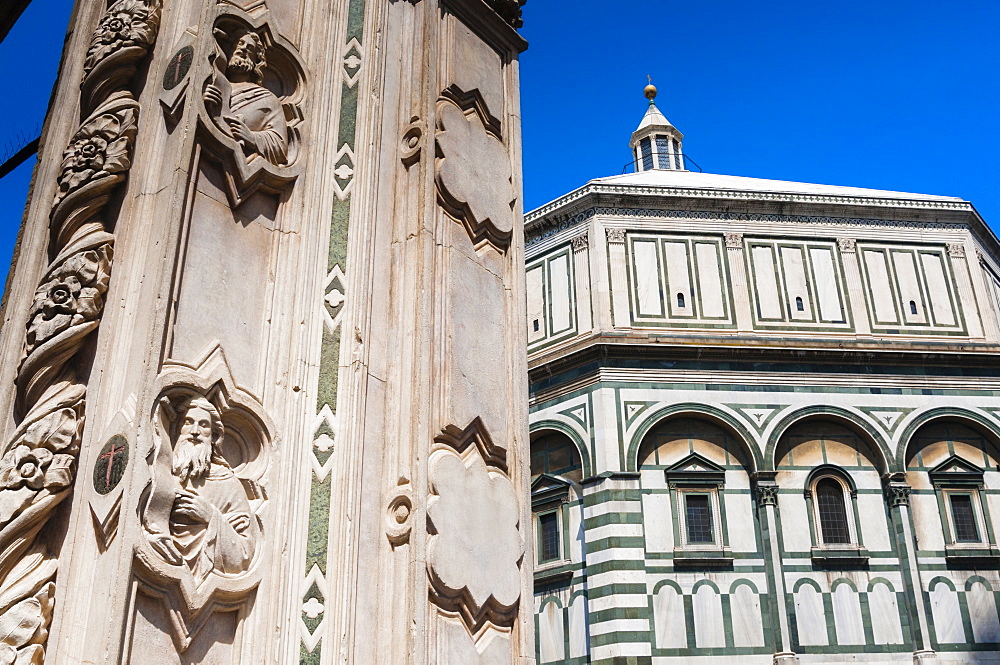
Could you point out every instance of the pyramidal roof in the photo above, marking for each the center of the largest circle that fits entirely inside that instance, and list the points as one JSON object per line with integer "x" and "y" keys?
{"x": 653, "y": 118}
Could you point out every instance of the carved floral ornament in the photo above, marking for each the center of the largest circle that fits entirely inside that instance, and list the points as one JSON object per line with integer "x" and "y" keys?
{"x": 127, "y": 23}
{"x": 474, "y": 177}
{"x": 38, "y": 462}
{"x": 475, "y": 549}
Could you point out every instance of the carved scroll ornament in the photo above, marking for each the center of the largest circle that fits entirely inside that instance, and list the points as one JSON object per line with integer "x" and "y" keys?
{"x": 38, "y": 463}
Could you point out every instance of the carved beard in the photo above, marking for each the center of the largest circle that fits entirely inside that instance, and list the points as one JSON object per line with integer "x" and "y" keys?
{"x": 192, "y": 459}
{"x": 243, "y": 66}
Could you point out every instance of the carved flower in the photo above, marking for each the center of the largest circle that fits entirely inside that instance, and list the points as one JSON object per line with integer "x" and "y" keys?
{"x": 73, "y": 294}
{"x": 477, "y": 550}
{"x": 24, "y": 466}
{"x": 126, "y": 23}
{"x": 100, "y": 147}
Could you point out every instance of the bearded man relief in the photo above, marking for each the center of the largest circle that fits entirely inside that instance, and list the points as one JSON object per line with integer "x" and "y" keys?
{"x": 198, "y": 513}
{"x": 242, "y": 107}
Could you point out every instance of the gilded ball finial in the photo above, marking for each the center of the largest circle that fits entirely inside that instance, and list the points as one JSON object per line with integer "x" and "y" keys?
{"x": 650, "y": 90}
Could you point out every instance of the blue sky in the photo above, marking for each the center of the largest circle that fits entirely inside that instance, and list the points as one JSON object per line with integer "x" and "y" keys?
{"x": 888, "y": 94}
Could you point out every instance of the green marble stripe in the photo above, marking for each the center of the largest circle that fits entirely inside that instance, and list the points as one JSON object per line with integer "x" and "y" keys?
{"x": 613, "y": 613}
{"x": 319, "y": 524}
{"x": 621, "y": 637}
{"x": 338, "y": 234}
{"x": 614, "y": 566}
{"x": 329, "y": 369}
{"x": 612, "y": 518}
{"x": 593, "y": 499}
{"x": 616, "y": 542}
{"x": 614, "y": 589}
{"x": 307, "y": 657}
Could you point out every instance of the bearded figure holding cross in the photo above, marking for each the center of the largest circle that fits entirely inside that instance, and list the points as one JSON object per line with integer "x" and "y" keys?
{"x": 243, "y": 107}
{"x": 200, "y": 515}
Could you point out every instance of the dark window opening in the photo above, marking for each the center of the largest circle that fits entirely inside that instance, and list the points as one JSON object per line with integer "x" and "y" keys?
{"x": 699, "y": 519}
{"x": 832, "y": 512}
{"x": 548, "y": 537}
{"x": 535, "y": 324}
{"x": 663, "y": 152}
{"x": 913, "y": 307}
{"x": 647, "y": 154}
{"x": 965, "y": 519}
{"x": 799, "y": 305}
{"x": 677, "y": 154}
{"x": 680, "y": 299}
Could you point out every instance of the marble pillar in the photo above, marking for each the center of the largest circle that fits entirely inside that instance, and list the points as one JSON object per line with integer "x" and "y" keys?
{"x": 263, "y": 349}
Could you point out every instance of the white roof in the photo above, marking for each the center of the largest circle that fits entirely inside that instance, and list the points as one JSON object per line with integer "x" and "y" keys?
{"x": 694, "y": 180}
{"x": 653, "y": 118}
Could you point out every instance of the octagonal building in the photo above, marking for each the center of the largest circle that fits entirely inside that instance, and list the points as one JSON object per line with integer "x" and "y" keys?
{"x": 765, "y": 420}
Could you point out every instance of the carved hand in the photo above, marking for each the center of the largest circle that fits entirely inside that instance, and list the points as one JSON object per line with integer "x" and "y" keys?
{"x": 240, "y": 131}
{"x": 213, "y": 99}
{"x": 164, "y": 546}
{"x": 192, "y": 507}
{"x": 239, "y": 521}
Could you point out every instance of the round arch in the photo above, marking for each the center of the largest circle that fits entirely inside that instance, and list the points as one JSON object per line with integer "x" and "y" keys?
{"x": 569, "y": 432}
{"x": 851, "y": 420}
{"x": 712, "y": 414}
{"x": 976, "y": 420}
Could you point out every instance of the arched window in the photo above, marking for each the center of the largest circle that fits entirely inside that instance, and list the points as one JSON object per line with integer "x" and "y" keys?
{"x": 832, "y": 512}
{"x": 799, "y": 305}
{"x": 680, "y": 300}
{"x": 913, "y": 307}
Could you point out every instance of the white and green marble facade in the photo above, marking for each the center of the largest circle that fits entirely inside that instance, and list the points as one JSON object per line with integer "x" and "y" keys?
{"x": 793, "y": 331}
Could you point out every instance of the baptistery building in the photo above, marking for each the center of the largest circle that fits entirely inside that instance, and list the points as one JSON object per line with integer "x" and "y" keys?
{"x": 765, "y": 420}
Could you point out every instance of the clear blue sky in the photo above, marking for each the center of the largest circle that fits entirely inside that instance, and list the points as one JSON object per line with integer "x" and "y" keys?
{"x": 886, "y": 94}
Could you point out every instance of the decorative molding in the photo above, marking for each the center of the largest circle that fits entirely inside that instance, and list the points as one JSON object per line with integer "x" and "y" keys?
{"x": 616, "y": 235}
{"x": 956, "y": 250}
{"x": 38, "y": 465}
{"x": 509, "y": 11}
{"x": 581, "y": 242}
{"x": 847, "y": 245}
{"x": 538, "y": 233}
{"x": 767, "y": 494}
{"x": 734, "y": 240}
{"x": 898, "y": 495}
{"x": 789, "y": 197}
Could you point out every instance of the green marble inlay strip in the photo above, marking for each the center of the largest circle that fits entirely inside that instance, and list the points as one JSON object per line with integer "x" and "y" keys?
{"x": 319, "y": 524}
{"x": 326, "y": 393}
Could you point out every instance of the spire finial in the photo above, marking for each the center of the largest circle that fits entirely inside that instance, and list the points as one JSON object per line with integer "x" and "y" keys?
{"x": 650, "y": 90}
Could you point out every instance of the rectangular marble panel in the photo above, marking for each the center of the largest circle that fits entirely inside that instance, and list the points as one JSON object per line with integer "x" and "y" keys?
{"x": 678, "y": 278}
{"x": 668, "y": 619}
{"x": 578, "y": 627}
{"x": 658, "y": 522}
{"x": 881, "y": 287}
{"x": 710, "y": 280}
{"x": 535, "y": 285}
{"x": 559, "y": 281}
{"x": 796, "y": 285}
{"x": 847, "y": 616}
{"x": 904, "y": 263}
{"x": 884, "y": 608}
{"x": 709, "y": 630}
{"x": 810, "y": 618}
{"x": 827, "y": 285}
{"x": 766, "y": 283}
{"x": 647, "y": 278}
{"x": 937, "y": 287}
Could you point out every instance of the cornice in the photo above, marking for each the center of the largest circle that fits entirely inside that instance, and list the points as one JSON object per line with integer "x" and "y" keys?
{"x": 743, "y": 195}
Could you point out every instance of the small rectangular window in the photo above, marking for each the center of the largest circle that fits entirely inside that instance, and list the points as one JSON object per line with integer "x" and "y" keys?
{"x": 698, "y": 512}
{"x": 964, "y": 517}
{"x": 548, "y": 537}
{"x": 677, "y": 154}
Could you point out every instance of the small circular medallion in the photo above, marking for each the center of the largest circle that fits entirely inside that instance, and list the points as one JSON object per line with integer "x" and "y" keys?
{"x": 111, "y": 464}
{"x": 178, "y": 68}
